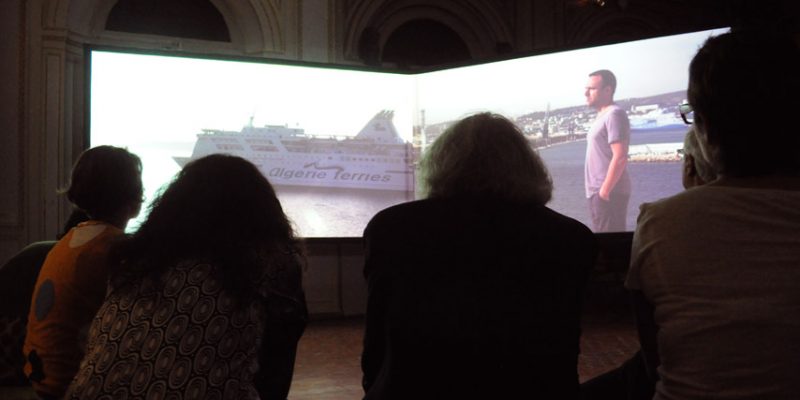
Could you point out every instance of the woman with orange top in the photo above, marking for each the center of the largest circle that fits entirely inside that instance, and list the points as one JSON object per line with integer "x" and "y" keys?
{"x": 106, "y": 183}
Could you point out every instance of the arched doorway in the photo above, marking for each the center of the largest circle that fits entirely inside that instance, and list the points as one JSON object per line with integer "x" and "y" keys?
{"x": 424, "y": 43}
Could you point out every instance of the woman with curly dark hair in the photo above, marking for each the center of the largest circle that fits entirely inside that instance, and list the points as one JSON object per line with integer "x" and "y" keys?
{"x": 206, "y": 299}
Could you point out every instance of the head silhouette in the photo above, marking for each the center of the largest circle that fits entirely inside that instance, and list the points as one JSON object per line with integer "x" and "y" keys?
{"x": 219, "y": 208}
{"x": 106, "y": 183}
{"x": 485, "y": 155}
{"x": 743, "y": 87}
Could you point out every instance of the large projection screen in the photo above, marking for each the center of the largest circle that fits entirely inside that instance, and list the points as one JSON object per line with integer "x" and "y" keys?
{"x": 339, "y": 145}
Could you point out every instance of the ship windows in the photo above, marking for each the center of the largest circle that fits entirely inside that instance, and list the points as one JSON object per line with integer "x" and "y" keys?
{"x": 222, "y": 146}
{"x": 261, "y": 147}
{"x": 370, "y": 159}
{"x": 258, "y": 141}
{"x": 224, "y": 140}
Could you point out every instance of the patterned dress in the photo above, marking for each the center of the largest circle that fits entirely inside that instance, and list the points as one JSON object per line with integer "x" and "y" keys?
{"x": 183, "y": 337}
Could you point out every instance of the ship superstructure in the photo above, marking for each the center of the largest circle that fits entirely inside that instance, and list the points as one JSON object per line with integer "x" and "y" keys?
{"x": 375, "y": 158}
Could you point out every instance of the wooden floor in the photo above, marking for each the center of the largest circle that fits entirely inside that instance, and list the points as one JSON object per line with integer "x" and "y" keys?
{"x": 328, "y": 359}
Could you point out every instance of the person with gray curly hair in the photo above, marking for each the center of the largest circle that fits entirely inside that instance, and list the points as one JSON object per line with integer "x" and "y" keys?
{"x": 476, "y": 290}
{"x": 485, "y": 155}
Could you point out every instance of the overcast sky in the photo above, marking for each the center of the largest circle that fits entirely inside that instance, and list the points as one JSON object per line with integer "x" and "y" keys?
{"x": 156, "y": 105}
{"x": 143, "y": 98}
{"x": 155, "y": 98}
{"x": 516, "y": 87}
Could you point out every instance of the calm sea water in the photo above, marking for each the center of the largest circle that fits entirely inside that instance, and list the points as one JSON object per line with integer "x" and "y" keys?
{"x": 649, "y": 181}
{"x": 345, "y": 212}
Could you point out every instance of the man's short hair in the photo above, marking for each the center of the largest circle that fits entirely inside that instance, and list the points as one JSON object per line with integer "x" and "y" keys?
{"x": 608, "y": 78}
{"x": 744, "y": 88}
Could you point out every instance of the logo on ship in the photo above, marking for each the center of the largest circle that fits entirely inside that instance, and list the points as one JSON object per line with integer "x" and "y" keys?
{"x": 375, "y": 158}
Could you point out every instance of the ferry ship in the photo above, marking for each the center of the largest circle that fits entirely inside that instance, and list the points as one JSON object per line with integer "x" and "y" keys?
{"x": 655, "y": 119}
{"x": 375, "y": 158}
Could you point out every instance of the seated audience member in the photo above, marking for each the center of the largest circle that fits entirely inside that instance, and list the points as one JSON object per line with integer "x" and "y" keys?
{"x": 716, "y": 267}
{"x": 632, "y": 380}
{"x": 696, "y": 169}
{"x": 106, "y": 184}
{"x": 17, "y": 280}
{"x": 205, "y": 298}
{"x": 476, "y": 291}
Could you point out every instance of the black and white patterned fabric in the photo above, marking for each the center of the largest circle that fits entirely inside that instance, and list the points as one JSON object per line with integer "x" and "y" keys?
{"x": 181, "y": 338}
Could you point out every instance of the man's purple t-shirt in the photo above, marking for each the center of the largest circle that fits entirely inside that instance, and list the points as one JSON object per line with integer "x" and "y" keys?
{"x": 612, "y": 126}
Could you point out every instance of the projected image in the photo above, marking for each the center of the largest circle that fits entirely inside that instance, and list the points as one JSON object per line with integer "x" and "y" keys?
{"x": 341, "y": 145}
{"x": 334, "y": 143}
{"x": 545, "y": 96}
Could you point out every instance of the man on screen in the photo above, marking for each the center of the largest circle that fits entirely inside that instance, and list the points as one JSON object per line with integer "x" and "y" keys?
{"x": 608, "y": 186}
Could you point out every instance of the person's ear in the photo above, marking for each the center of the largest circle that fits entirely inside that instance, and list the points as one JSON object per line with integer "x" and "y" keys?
{"x": 134, "y": 208}
{"x": 688, "y": 166}
{"x": 688, "y": 173}
{"x": 705, "y": 143}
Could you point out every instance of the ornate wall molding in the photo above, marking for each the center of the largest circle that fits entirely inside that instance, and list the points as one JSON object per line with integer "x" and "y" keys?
{"x": 598, "y": 25}
{"x": 590, "y": 24}
{"x": 479, "y": 23}
{"x": 256, "y": 26}
{"x": 12, "y": 116}
{"x": 54, "y": 123}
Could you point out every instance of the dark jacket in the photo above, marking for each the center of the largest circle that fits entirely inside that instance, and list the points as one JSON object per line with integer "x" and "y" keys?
{"x": 473, "y": 298}
{"x": 17, "y": 281}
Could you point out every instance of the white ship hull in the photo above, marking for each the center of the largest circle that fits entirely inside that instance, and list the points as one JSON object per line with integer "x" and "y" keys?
{"x": 375, "y": 159}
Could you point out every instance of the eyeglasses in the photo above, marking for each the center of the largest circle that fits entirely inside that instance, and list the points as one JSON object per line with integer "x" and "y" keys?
{"x": 687, "y": 113}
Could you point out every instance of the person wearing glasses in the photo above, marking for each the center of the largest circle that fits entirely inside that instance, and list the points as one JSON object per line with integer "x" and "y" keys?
{"x": 608, "y": 186}
{"x": 715, "y": 271}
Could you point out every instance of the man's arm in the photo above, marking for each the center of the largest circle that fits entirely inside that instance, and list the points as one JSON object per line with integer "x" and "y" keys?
{"x": 619, "y": 160}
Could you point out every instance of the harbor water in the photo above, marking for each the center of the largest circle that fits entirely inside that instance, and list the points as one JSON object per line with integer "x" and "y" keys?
{"x": 328, "y": 212}
{"x": 344, "y": 213}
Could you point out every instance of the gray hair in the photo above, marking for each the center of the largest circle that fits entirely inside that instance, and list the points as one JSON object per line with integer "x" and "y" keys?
{"x": 701, "y": 165}
{"x": 485, "y": 155}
